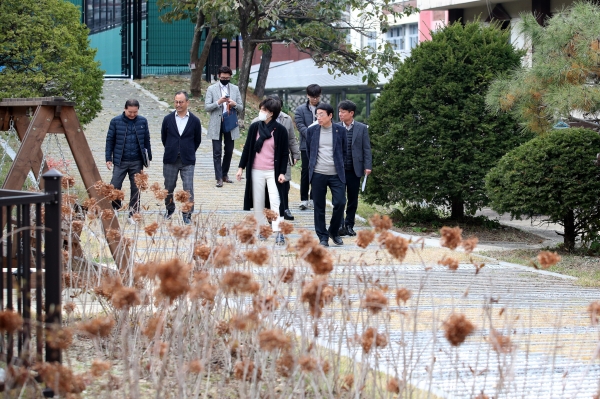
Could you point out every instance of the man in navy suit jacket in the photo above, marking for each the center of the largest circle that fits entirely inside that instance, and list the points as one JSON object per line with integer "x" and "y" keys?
{"x": 181, "y": 134}
{"x": 358, "y": 162}
{"x": 326, "y": 150}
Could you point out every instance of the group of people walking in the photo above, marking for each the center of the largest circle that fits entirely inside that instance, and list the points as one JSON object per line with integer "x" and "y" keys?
{"x": 334, "y": 155}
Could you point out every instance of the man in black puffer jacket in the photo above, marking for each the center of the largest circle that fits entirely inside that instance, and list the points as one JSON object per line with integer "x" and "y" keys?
{"x": 127, "y": 139}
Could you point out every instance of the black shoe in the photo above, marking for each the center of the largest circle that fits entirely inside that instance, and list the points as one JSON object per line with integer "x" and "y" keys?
{"x": 287, "y": 215}
{"x": 168, "y": 215}
{"x": 324, "y": 243}
{"x": 187, "y": 219}
{"x": 279, "y": 239}
{"x": 220, "y": 183}
{"x": 337, "y": 240}
{"x": 226, "y": 179}
{"x": 343, "y": 231}
{"x": 350, "y": 231}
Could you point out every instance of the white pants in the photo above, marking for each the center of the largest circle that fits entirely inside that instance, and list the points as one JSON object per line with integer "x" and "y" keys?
{"x": 260, "y": 179}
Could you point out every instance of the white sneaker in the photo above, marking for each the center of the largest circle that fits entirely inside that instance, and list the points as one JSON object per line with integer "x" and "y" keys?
{"x": 303, "y": 205}
{"x": 130, "y": 220}
{"x": 310, "y": 204}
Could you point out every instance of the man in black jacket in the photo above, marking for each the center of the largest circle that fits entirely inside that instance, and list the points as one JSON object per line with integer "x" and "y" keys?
{"x": 127, "y": 139}
{"x": 304, "y": 117}
{"x": 181, "y": 134}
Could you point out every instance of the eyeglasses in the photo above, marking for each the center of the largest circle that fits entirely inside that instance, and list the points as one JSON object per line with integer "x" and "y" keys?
{"x": 321, "y": 115}
{"x": 314, "y": 98}
{"x": 180, "y": 102}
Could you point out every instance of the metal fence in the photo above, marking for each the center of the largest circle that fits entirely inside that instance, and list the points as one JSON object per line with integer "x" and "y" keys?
{"x": 31, "y": 255}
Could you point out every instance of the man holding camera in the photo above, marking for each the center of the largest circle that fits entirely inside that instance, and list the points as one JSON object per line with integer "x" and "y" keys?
{"x": 222, "y": 97}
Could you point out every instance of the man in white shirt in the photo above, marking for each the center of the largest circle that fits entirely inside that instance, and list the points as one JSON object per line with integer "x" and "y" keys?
{"x": 181, "y": 134}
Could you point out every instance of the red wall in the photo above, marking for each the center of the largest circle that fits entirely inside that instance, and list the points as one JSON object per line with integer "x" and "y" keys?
{"x": 281, "y": 52}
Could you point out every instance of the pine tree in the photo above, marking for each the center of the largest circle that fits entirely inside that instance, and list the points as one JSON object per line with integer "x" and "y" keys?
{"x": 562, "y": 83}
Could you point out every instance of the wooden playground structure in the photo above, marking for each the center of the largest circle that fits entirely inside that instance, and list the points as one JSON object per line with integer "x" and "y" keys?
{"x": 33, "y": 119}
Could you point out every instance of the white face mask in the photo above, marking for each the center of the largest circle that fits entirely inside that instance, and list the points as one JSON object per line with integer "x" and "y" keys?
{"x": 262, "y": 116}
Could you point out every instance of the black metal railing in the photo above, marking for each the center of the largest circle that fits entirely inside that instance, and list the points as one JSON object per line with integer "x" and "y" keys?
{"x": 30, "y": 244}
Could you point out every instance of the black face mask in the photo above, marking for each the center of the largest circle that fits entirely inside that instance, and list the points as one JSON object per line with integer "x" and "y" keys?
{"x": 224, "y": 82}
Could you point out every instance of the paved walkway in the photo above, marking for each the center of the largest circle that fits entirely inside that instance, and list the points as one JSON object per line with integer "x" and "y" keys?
{"x": 543, "y": 314}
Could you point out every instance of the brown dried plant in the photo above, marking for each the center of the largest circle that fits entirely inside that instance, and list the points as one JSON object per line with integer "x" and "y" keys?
{"x": 266, "y": 231}
{"x": 151, "y": 229}
{"x": 16, "y": 376}
{"x": 259, "y": 256}
{"x": 375, "y": 301}
{"x": 469, "y": 244}
{"x": 499, "y": 342}
{"x": 180, "y": 232}
{"x": 244, "y": 322}
{"x": 141, "y": 180}
{"x": 451, "y": 237}
{"x": 403, "y": 294}
{"x": 270, "y": 340}
{"x": 372, "y": 339}
{"x": 547, "y": 259}
{"x": 10, "y": 321}
{"x": 317, "y": 294}
{"x": 286, "y": 227}
{"x": 239, "y": 283}
{"x": 457, "y": 328}
{"x": 594, "y": 311}
{"x": 309, "y": 249}
{"x": 201, "y": 251}
{"x": 182, "y": 196}
{"x": 59, "y": 338}
{"x": 154, "y": 326}
{"x": 380, "y": 223}
{"x": 347, "y": 382}
{"x": 396, "y": 245}
{"x": 108, "y": 285}
{"x": 245, "y": 369}
{"x": 364, "y": 238}
{"x": 286, "y": 275}
{"x": 77, "y": 226}
{"x": 393, "y": 385}
{"x": 98, "y": 327}
{"x": 223, "y": 255}
{"x": 203, "y": 290}
{"x": 67, "y": 182}
{"x": 103, "y": 189}
{"x": 450, "y": 262}
{"x": 271, "y": 215}
{"x": 70, "y": 307}
{"x": 145, "y": 270}
{"x": 99, "y": 367}
{"x": 265, "y": 303}
{"x": 285, "y": 364}
{"x": 187, "y": 207}
{"x": 174, "y": 278}
{"x": 61, "y": 378}
{"x": 159, "y": 193}
{"x": 194, "y": 367}
{"x": 308, "y": 364}
{"x": 107, "y": 214}
{"x": 223, "y": 231}
{"x": 125, "y": 298}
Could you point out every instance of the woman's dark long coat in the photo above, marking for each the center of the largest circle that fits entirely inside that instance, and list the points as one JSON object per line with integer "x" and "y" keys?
{"x": 280, "y": 135}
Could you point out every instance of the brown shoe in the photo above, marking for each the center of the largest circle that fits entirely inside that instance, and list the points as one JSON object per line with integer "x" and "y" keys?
{"x": 220, "y": 183}
{"x": 226, "y": 179}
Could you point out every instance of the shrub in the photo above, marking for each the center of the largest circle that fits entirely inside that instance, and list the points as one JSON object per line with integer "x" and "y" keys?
{"x": 552, "y": 175}
{"x": 433, "y": 139}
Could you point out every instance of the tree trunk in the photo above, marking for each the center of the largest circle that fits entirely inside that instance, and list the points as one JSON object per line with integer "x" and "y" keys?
{"x": 569, "y": 235}
{"x": 263, "y": 71}
{"x": 196, "y": 79}
{"x": 249, "y": 48}
{"x": 458, "y": 209}
{"x": 213, "y": 31}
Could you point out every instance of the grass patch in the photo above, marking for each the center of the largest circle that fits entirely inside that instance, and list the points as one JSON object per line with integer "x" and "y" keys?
{"x": 585, "y": 268}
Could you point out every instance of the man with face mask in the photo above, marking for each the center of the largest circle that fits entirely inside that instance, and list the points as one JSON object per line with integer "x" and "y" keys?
{"x": 221, "y": 97}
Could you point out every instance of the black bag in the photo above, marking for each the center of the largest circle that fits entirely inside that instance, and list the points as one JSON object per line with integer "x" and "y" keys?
{"x": 145, "y": 157}
{"x": 230, "y": 120}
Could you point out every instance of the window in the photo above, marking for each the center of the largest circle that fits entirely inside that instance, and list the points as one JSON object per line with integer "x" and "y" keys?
{"x": 372, "y": 39}
{"x": 403, "y": 37}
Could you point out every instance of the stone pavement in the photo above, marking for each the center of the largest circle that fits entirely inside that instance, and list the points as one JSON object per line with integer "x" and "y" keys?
{"x": 543, "y": 314}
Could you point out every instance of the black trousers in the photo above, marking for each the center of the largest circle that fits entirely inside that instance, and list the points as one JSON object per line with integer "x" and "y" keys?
{"x": 304, "y": 182}
{"x": 319, "y": 184}
{"x": 221, "y": 160}
{"x": 284, "y": 200}
{"x": 352, "y": 190}
{"x": 127, "y": 168}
